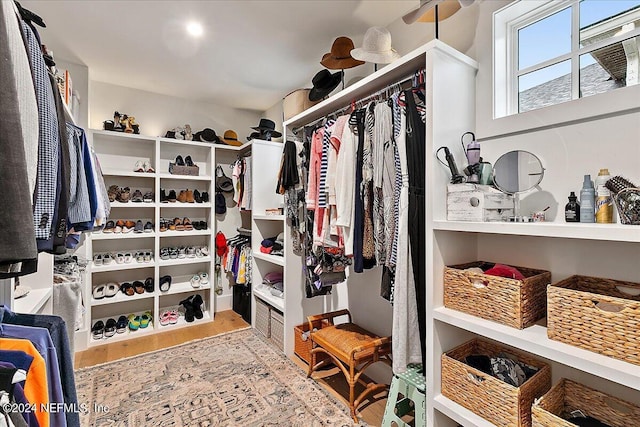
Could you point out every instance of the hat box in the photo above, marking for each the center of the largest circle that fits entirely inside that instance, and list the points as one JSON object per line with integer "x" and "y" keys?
{"x": 296, "y": 102}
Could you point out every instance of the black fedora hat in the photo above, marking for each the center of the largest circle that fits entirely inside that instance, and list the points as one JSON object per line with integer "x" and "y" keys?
{"x": 267, "y": 125}
{"x": 324, "y": 83}
{"x": 206, "y": 135}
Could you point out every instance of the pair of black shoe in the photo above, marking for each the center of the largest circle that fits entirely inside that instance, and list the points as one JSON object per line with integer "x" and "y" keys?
{"x": 184, "y": 162}
{"x": 192, "y": 308}
{"x": 165, "y": 283}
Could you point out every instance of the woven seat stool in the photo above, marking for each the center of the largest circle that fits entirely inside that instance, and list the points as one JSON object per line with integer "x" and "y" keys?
{"x": 411, "y": 384}
{"x": 352, "y": 349}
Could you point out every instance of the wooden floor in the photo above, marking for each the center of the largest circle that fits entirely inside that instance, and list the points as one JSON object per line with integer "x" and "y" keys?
{"x": 226, "y": 321}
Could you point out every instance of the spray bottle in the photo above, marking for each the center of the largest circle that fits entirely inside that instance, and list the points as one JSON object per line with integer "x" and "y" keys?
{"x": 587, "y": 201}
{"x": 604, "y": 202}
{"x": 473, "y": 157}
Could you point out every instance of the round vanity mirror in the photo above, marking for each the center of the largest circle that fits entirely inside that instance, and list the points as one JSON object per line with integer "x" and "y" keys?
{"x": 517, "y": 171}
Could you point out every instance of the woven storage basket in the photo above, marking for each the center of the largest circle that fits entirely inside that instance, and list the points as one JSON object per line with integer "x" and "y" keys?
{"x": 515, "y": 303}
{"x": 277, "y": 329}
{"x": 567, "y": 396}
{"x": 594, "y": 314}
{"x": 263, "y": 318}
{"x": 302, "y": 347}
{"x": 494, "y": 400}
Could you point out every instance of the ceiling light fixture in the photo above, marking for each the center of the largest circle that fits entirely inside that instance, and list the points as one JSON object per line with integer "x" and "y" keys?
{"x": 195, "y": 29}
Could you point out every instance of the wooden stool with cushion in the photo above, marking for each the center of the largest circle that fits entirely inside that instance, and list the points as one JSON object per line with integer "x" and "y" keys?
{"x": 352, "y": 349}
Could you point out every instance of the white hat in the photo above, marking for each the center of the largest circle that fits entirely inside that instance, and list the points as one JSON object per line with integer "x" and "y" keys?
{"x": 376, "y": 47}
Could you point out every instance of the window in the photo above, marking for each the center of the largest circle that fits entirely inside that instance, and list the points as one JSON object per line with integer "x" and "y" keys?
{"x": 549, "y": 52}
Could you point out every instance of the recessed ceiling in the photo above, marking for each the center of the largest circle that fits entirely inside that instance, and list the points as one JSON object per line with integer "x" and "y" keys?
{"x": 250, "y": 55}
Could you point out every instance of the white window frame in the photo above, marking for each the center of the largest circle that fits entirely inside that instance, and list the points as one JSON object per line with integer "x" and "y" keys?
{"x": 506, "y": 23}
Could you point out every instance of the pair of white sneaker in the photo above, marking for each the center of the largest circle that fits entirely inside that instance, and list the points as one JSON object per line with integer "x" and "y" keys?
{"x": 199, "y": 279}
{"x": 143, "y": 166}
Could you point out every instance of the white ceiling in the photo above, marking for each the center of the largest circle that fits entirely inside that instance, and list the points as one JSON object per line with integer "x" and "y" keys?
{"x": 251, "y": 55}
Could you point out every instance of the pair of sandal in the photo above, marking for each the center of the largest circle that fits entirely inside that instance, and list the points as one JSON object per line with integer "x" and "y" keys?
{"x": 192, "y": 308}
{"x": 138, "y": 287}
{"x": 139, "y": 321}
{"x": 117, "y": 194}
{"x": 169, "y": 317}
{"x": 143, "y": 166}
{"x": 187, "y": 161}
{"x": 108, "y": 290}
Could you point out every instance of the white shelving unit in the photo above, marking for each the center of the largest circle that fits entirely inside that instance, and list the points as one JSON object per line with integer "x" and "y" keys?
{"x": 118, "y": 154}
{"x": 267, "y": 156}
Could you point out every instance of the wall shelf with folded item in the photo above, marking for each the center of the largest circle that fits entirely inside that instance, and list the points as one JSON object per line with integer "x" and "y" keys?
{"x": 142, "y": 163}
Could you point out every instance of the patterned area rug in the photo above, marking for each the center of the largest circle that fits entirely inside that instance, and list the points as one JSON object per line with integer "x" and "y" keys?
{"x": 236, "y": 379}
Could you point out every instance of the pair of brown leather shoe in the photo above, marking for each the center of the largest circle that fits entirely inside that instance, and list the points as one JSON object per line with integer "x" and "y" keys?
{"x": 186, "y": 196}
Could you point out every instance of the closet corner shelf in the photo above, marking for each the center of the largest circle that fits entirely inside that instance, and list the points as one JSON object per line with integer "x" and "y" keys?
{"x": 459, "y": 413}
{"x": 268, "y": 217}
{"x": 206, "y": 316}
{"x": 33, "y": 301}
{"x": 132, "y": 205}
{"x": 185, "y": 205}
{"x": 186, "y": 177}
{"x": 183, "y": 142}
{"x": 534, "y": 340}
{"x": 278, "y": 260}
{"x": 181, "y": 261}
{"x": 120, "y": 297}
{"x": 111, "y": 134}
{"x": 114, "y": 266}
{"x": 116, "y": 236}
{"x": 181, "y": 284}
{"x": 171, "y": 233}
{"x": 224, "y": 147}
{"x": 610, "y": 232}
{"x": 262, "y": 293}
{"x": 128, "y": 173}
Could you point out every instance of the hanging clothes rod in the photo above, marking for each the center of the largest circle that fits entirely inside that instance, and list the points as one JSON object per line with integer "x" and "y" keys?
{"x": 416, "y": 78}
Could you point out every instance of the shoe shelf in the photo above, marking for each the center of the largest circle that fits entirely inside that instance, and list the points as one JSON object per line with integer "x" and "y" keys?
{"x": 173, "y": 233}
{"x": 262, "y": 292}
{"x": 133, "y": 205}
{"x": 114, "y": 266}
{"x": 206, "y": 317}
{"x": 116, "y": 236}
{"x": 129, "y": 173}
{"x": 185, "y": 205}
{"x": 120, "y": 297}
{"x": 186, "y": 177}
{"x": 273, "y": 259}
{"x": 182, "y": 261}
{"x": 182, "y": 284}
{"x": 33, "y": 301}
{"x": 128, "y": 334}
{"x": 118, "y": 154}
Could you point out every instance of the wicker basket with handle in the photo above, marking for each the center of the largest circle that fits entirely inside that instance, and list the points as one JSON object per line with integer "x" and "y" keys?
{"x": 301, "y": 346}
{"x": 494, "y": 400}
{"x": 600, "y": 315}
{"x": 515, "y": 303}
{"x": 568, "y": 396}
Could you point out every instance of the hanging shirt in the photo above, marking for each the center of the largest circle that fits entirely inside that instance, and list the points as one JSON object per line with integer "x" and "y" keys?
{"x": 48, "y": 143}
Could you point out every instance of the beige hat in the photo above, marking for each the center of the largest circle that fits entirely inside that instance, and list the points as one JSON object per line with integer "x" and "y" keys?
{"x": 296, "y": 102}
{"x": 231, "y": 138}
{"x": 376, "y": 47}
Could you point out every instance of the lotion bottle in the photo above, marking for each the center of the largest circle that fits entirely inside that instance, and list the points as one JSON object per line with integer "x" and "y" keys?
{"x": 587, "y": 201}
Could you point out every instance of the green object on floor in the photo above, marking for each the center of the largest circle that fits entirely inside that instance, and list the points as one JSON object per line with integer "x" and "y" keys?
{"x": 411, "y": 385}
